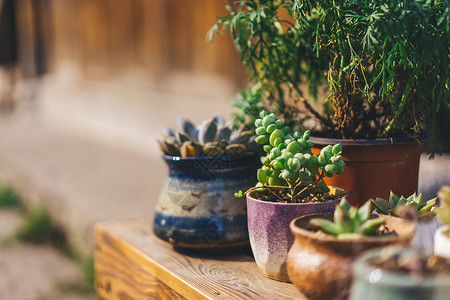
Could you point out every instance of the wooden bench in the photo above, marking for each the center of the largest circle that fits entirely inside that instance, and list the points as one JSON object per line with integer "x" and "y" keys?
{"x": 131, "y": 263}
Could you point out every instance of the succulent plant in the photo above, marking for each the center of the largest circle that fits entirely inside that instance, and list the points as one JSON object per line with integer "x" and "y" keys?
{"x": 396, "y": 204}
{"x": 349, "y": 221}
{"x": 289, "y": 164}
{"x": 211, "y": 138}
{"x": 444, "y": 209}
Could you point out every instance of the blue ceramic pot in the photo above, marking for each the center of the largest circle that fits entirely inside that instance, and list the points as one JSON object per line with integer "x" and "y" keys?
{"x": 197, "y": 207}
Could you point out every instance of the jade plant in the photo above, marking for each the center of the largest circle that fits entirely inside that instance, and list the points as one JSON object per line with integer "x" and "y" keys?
{"x": 289, "y": 165}
{"x": 385, "y": 63}
{"x": 211, "y": 138}
{"x": 396, "y": 204}
{"x": 349, "y": 221}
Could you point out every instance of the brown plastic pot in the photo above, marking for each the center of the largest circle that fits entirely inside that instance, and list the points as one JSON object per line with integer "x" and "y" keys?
{"x": 320, "y": 265}
{"x": 375, "y": 167}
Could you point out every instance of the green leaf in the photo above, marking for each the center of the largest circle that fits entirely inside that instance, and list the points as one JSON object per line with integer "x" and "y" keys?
{"x": 364, "y": 211}
{"x": 428, "y": 206}
{"x": 370, "y": 227}
{"x": 381, "y": 206}
{"x": 326, "y": 225}
{"x": 239, "y": 194}
{"x": 344, "y": 204}
{"x": 393, "y": 200}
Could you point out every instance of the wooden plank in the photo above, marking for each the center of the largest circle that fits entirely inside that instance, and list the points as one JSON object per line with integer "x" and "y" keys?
{"x": 130, "y": 260}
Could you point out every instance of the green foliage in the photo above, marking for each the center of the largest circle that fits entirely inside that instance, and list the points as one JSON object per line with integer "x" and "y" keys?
{"x": 211, "y": 138}
{"x": 386, "y": 62}
{"x": 444, "y": 209}
{"x": 396, "y": 204}
{"x": 39, "y": 229}
{"x": 289, "y": 163}
{"x": 8, "y": 197}
{"x": 350, "y": 222}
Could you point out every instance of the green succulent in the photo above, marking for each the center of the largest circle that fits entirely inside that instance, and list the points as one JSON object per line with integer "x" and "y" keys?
{"x": 211, "y": 138}
{"x": 289, "y": 163}
{"x": 349, "y": 221}
{"x": 396, "y": 204}
{"x": 444, "y": 209}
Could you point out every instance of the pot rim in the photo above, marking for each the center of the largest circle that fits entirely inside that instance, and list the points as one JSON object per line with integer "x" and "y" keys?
{"x": 364, "y": 270}
{"x": 297, "y": 230}
{"x": 343, "y": 193}
{"x": 231, "y": 156}
{"x": 370, "y": 142}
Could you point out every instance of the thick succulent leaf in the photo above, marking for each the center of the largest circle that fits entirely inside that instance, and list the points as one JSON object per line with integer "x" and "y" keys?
{"x": 326, "y": 225}
{"x": 393, "y": 200}
{"x": 364, "y": 211}
{"x": 188, "y": 150}
{"x": 169, "y": 146}
{"x": 428, "y": 206}
{"x": 401, "y": 201}
{"x": 412, "y": 198}
{"x": 370, "y": 227}
{"x": 170, "y": 132}
{"x": 224, "y": 133}
{"x": 243, "y": 137}
{"x": 234, "y": 149}
{"x": 381, "y": 206}
{"x": 212, "y": 151}
{"x": 342, "y": 220}
{"x": 207, "y": 131}
{"x": 186, "y": 127}
{"x": 345, "y": 204}
{"x": 220, "y": 121}
{"x": 181, "y": 137}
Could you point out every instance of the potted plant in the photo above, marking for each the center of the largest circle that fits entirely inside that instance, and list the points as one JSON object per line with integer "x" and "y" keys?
{"x": 320, "y": 260}
{"x": 290, "y": 184}
{"x": 413, "y": 208}
{"x": 395, "y": 273}
{"x": 207, "y": 164}
{"x": 442, "y": 235}
{"x": 385, "y": 64}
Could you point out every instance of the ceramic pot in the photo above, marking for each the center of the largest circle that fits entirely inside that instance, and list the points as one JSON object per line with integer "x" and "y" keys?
{"x": 197, "y": 207}
{"x": 320, "y": 265}
{"x": 442, "y": 242}
{"x": 374, "y": 167}
{"x": 423, "y": 240}
{"x": 372, "y": 283}
{"x": 270, "y": 237}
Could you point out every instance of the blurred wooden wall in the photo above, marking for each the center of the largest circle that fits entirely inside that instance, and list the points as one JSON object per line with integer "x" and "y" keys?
{"x": 104, "y": 37}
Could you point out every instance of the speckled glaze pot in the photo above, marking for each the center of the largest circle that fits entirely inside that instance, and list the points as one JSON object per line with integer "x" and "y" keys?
{"x": 320, "y": 265}
{"x": 372, "y": 283}
{"x": 197, "y": 207}
{"x": 270, "y": 237}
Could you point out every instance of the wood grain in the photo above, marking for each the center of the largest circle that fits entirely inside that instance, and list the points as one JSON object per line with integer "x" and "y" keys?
{"x": 131, "y": 262}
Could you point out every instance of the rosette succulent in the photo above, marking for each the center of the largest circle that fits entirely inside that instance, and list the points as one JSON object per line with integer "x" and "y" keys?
{"x": 211, "y": 138}
{"x": 289, "y": 165}
{"x": 396, "y": 204}
{"x": 350, "y": 222}
{"x": 444, "y": 209}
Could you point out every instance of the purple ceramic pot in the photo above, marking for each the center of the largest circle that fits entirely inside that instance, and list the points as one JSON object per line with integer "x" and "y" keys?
{"x": 269, "y": 233}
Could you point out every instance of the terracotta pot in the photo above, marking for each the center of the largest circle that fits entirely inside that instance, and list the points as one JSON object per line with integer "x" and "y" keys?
{"x": 320, "y": 265}
{"x": 197, "y": 207}
{"x": 374, "y": 167}
{"x": 270, "y": 237}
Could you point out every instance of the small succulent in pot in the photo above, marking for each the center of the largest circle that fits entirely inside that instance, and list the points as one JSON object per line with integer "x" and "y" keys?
{"x": 210, "y": 138}
{"x": 399, "y": 206}
{"x": 442, "y": 234}
{"x": 290, "y": 171}
{"x": 350, "y": 222}
{"x": 444, "y": 209}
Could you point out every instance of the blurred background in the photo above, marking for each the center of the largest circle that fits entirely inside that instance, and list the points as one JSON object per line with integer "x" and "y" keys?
{"x": 86, "y": 88}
